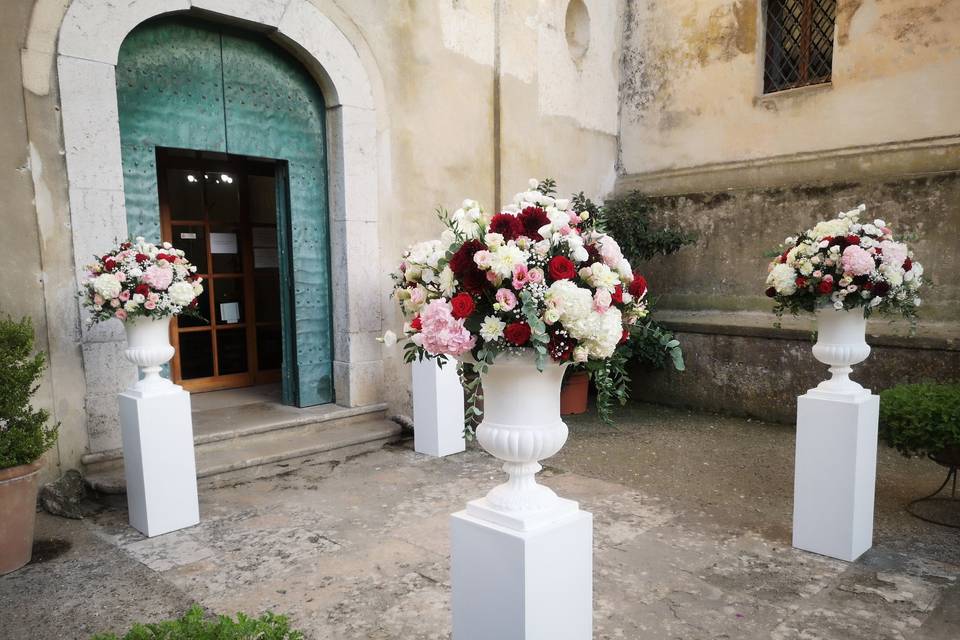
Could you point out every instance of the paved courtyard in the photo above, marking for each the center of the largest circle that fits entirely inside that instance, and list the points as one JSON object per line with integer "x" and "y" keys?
{"x": 692, "y": 529}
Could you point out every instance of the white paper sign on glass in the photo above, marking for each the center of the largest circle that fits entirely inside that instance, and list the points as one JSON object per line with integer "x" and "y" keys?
{"x": 230, "y": 312}
{"x": 223, "y": 243}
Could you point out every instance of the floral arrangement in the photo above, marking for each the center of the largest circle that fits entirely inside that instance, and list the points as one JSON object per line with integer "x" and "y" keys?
{"x": 140, "y": 279}
{"x": 540, "y": 274}
{"x": 847, "y": 264}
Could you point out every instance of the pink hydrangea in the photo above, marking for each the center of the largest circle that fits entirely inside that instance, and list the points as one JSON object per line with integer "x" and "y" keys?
{"x": 158, "y": 277}
{"x": 441, "y": 332}
{"x": 894, "y": 253}
{"x": 857, "y": 261}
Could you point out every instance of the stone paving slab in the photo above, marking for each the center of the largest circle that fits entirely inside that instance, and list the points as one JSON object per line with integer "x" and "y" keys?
{"x": 359, "y": 550}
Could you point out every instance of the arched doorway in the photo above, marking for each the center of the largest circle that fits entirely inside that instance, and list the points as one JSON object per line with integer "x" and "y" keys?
{"x": 223, "y": 148}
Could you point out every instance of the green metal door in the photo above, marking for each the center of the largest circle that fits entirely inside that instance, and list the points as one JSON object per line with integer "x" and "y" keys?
{"x": 189, "y": 84}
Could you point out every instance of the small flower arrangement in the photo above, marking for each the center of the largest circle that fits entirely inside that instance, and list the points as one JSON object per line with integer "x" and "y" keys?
{"x": 846, "y": 264}
{"x": 540, "y": 274}
{"x": 140, "y": 279}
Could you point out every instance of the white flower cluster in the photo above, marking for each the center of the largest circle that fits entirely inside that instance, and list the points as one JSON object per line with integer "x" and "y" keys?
{"x": 573, "y": 306}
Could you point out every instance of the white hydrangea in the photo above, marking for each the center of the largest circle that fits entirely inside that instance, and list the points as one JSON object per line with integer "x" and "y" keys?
{"x": 598, "y": 333}
{"x": 106, "y": 285}
{"x": 783, "y": 278}
{"x": 181, "y": 293}
{"x": 832, "y": 228}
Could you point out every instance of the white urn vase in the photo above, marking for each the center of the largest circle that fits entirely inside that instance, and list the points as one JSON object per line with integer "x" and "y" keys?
{"x": 841, "y": 343}
{"x": 521, "y": 425}
{"x": 148, "y": 347}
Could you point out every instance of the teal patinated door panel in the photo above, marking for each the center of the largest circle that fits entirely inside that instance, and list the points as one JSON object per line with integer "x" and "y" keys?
{"x": 188, "y": 84}
{"x": 169, "y": 94}
{"x": 274, "y": 109}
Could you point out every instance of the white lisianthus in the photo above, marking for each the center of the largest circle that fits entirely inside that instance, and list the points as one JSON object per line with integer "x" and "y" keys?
{"x": 600, "y": 276}
{"x": 181, "y": 293}
{"x": 130, "y": 306}
{"x": 491, "y": 329}
{"x": 493, "y": 240}
{"x": 106, "y": 285}
{"x": 139, "y": 298}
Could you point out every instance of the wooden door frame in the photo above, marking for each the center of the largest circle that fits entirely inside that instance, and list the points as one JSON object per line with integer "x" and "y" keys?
{"x": 241, "y": 167}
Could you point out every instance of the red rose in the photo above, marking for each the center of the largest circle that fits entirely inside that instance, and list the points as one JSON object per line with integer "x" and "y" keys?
{"x": 638, "y": 286}
{"x": 142, "y": 289}
{"x": 109, "y": 264}
{"x": 852, "y": 239}
{"x": 533, "y": 219}
{"x": 907, "y": 264}
{"x": 517, "y": 333}
{"x": 124, "y": 246}
{"x": 783, "y": 256}
{"x": 416, "y": 324}
{"x": 561, "y": 268}
{"x": 463, "y": 305}
{"x": 507, "y": 225}
{"x": 825, "y": 287}
{"x": 624, "y": 336}
{"x": 617, "y": 295}
{"x": 142, "y": 257}
{"x": 801, "y": 282}
{"x": 771, "y": 292}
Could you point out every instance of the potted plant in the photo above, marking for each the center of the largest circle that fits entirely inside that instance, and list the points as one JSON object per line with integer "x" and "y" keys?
{"x": 519, "y": 296}
{"x": 923, "y": 420}
{"x": 842, "y": 270}
{"x": 143, "y": 285}
{"x": 25, "y": 435}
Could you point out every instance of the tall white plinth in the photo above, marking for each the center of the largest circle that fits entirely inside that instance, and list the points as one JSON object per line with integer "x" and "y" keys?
{"x": 835, "y": 473}
{"x": 437, "y": 409}
{"x": 160, "y": 469}
{"x": 522, "y": 579}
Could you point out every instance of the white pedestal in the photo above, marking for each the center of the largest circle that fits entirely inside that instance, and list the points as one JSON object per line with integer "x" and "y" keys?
{"x": 531, "y": 584}
{"x": 437, "y": 409}
{"x": 835, "y": 473}
{"x": 160, "y": 469}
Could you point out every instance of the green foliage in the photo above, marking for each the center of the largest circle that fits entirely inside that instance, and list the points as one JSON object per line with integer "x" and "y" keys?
{"x": 920, "y": 419}
{"x": 628, "y": 220}
{"x": 24, "y": 433}
{"x": 193, "y": 626}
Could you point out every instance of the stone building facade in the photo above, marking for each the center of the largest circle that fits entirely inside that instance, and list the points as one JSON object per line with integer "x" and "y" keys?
{"x": 425, "y": 103}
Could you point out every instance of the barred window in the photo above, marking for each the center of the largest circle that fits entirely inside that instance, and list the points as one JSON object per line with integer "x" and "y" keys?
{"x": 799, "y": 48}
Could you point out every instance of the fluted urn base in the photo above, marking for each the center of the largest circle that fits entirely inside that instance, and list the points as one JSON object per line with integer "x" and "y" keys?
{"x": 841, "y": 343}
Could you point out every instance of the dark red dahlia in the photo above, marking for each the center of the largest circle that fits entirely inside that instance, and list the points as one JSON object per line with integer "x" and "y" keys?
{"x": 771, "y": 292}
{"x": 462, "y": 261}
{"x": 142, "y": 257}
{"x": 907, "y": 264}
{"x": 801, "y": 282}
{"x": 881, "y": 289}
{"x": 853, "y": 239}
{"x": 561, "y": 344}
{"x": 533, "y": 219}
{"x": 142, "y": 289}
{"x": 109, "y": 264}
{"x": 825, "y": 287}
{"x": 507, "y": 225}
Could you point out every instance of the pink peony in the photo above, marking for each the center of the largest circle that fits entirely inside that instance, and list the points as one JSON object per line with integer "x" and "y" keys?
{"x": 506, "y": 298}
{"x": 158, "y": 277}
{"x": 857, "y": 261}
{"x": 441, "y": 332}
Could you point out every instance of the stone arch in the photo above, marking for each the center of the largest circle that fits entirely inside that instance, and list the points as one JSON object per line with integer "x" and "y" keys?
{"x": 90, "y": 36}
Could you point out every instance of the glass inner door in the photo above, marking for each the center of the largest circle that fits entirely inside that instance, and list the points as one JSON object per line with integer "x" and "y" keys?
{"x": 222, "y": 211}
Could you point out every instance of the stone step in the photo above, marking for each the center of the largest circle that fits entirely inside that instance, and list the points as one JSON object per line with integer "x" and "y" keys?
{"x": 236, "y": 444}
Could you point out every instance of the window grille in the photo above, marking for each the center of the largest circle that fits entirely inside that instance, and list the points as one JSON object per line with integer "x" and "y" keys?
{"x": 799, "y": 49}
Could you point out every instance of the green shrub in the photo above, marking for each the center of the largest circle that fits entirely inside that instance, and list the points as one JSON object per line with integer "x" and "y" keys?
{"x": 627, "y": 219}
{"x": 24, "y": 432}
{"x": 194, "y": 626}
{"x": 920, "y": 419}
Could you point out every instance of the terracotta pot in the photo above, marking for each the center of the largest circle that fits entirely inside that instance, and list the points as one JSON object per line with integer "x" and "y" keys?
{"x": 573, "y": 394}
{"x": 18, "y": 511}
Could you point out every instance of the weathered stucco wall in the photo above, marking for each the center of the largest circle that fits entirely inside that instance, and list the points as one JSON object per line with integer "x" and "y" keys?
{"x": 447, "y": 128}
{"x": 692, "y": 80}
